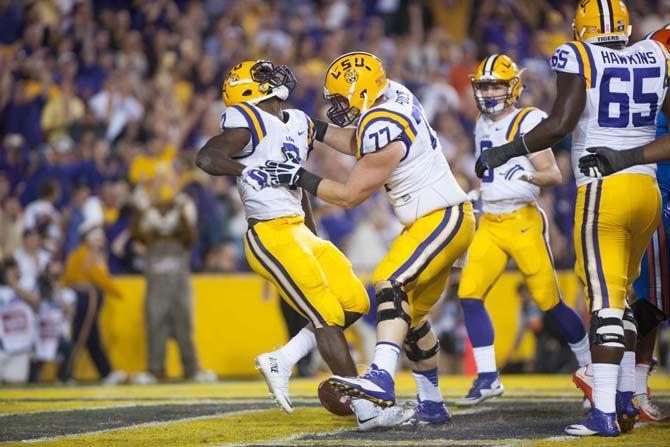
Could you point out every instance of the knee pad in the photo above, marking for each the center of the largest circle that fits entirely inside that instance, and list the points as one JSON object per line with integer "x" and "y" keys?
{"x": 607, "y": 328}
{"x": 392, "y": 292}
{"x": 629, "y": 321}
{"x": 647, "y": 316}
{"x": 411, "y": 345}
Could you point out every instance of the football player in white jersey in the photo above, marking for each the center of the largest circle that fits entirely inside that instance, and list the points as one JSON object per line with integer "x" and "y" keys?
{"x": 607, "y": 94}
{"x": 311, "y": 274}
{"x": 397, "y": 149}
{"x": 513, "y": 225}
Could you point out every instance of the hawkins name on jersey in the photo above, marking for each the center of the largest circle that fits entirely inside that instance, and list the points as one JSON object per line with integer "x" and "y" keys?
{"x": 270, "y": 139}
{"x": 625, "y": 90}
{"x": 422, "y": 181}
{"x": 501, "y": 190}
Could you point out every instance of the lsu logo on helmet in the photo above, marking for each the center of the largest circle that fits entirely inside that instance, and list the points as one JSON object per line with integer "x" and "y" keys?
{"x": 496, "y": 70}
{"x": 354, "y": 81}
{"x": 255, "y": 81}
{"x": 602, "y": 21}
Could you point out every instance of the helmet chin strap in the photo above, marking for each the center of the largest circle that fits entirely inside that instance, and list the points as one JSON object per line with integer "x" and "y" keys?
{"x": 280, "y": 92}
{"x": 365, "y": 103}
{"x": 379, "y": 95}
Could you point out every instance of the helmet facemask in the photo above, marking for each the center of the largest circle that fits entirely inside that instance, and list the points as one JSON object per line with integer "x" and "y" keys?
{"x": 490, "y": 104}
{"x": 340, "y": 112}
{"x": 274, "y": 81}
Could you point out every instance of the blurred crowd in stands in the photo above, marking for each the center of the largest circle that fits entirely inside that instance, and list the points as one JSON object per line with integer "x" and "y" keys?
{"x": 103, "y": 103}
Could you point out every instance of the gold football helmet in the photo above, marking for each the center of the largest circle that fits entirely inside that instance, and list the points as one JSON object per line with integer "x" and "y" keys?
{"x": 255, "y": 81}
{"x": 602, "y": 21}
{"x": 354, "y": 81}
{"x": 497, "y": 69}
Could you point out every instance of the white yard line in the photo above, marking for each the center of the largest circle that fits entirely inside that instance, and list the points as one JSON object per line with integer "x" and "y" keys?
{"x": 143, "y": 425}
{"x": 294, "y": 437}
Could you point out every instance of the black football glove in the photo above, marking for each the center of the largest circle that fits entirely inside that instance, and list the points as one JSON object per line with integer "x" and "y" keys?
{"x": 604, "y": 161}
{"x": 498, "y": 156}
{"x": 285, "y": 173}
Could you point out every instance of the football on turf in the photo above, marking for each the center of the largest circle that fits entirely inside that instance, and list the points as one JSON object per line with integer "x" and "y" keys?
{"x": 334, "y": 401}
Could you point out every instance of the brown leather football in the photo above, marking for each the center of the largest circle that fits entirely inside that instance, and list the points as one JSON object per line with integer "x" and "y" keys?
{"x": 334, "y": 401}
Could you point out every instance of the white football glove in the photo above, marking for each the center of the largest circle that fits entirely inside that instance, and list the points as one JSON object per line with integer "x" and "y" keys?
{"x": 285, "y": 173}
{"x": 256, "y": 177}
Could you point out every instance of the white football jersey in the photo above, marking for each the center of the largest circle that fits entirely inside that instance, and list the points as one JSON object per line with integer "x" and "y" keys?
{"x": 50, "y": 322}
{"x": 422, "y": 182}
{"x": 270, "y": 139}
{"x": 501, "y": 190}
{"x": 625, "y": 90}
{"x": 17, "y": 323}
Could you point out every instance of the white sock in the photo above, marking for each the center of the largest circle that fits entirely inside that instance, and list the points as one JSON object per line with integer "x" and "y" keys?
{"x": 604, "y": 386}
{"x": 582, "y": 350}
{"x": 626, "y": 378}
{"x": 427, "y": 385}
{"x": 641, "y": 378}
{"x": 299, "y": 346}
{"x": 485, "y": 358}
{"x": 363, "y": 408}
{"x": 386, "y": 356}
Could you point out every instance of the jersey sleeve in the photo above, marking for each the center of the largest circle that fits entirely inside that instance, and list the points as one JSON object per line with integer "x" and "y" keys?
{"x": 245, "y": 116}
{"x": 233, "y": 118}
{"x": 523, "y": 122}
{"x": 531, "y": 120}
{"x": 379, "y": 127}
{"x": 576, "y": 58}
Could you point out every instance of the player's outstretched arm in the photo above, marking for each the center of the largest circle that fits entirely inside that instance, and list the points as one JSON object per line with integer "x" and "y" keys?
{"x": 566, "y": 111}
{"x": 368, "y": 175}
{"x": 342, "y": 139}
{"x": 604, "y": 161}
{"x": 546, "y": 172}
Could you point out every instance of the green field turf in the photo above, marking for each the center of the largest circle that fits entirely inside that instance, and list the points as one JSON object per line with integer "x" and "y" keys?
{"x": 533, "y": 412}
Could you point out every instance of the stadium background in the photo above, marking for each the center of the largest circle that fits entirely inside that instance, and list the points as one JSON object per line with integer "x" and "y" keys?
{"x": 98, "y": 97}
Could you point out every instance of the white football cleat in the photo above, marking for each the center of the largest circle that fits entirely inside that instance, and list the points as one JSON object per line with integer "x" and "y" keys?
{"x": 276, "y": 372}
{"x": 115, "y": 378}
{"x": 583, "y": 379}
{"x": 143, "y": 378}
{"x": 379, "y": 418}
{"x": 649, "y": 412}
{"x": 205, "y": 376}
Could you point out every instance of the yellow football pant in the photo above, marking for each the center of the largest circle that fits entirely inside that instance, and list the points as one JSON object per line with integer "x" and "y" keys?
{"x": 522, "y": 235}
{"x": 422, "y": 256}
{"x": 614, "y": 220}
{"x": 311, "y": 274}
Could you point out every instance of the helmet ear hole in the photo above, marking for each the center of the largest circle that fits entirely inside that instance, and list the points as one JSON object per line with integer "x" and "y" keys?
{"x": 247, "y": 92}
